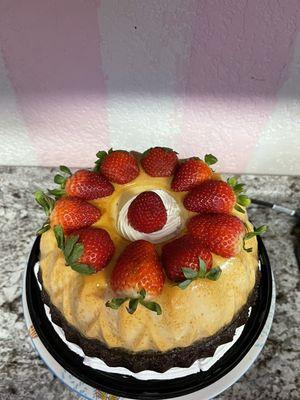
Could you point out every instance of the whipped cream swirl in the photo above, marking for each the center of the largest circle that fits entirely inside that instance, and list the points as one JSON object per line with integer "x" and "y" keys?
{"x": 171, "y": 228}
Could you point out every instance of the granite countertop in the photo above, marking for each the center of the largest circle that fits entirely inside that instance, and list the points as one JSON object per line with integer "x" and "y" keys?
{"x": 275, "y": 374}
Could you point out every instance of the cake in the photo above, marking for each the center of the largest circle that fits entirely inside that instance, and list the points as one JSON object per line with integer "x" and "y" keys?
{"x": 148, "y": 262}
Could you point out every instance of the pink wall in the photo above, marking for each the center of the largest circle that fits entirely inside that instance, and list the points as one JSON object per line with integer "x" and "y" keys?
{"x": 202, "y": 76}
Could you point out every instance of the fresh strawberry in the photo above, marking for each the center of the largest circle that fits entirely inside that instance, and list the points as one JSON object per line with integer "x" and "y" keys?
{"x": 192, "y": 172}
{"x": 210, "y": 196}
{"x": 147, "y": 213}
{"x": 137, "y": 277}
{"x": 159, "y": 161}
{"x": 217, "y": 196}
{"x": 87, "y": 185}
{"x": 184, "y": 253}
{"x": 86, "y": 250}
{"x": 223, "y": 234}
{"x": 118, "y": 166}
{"x": 73, "y": 213}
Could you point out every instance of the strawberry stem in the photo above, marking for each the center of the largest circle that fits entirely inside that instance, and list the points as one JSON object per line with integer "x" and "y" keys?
{"x": 101, "y": 155}
{"x": 47, "y": 203}
{"x": 61, "y": 180}
{"x": 210, "y": 159}
{"x": 202, "y": 273}
{"x": 257, "y": 232}
{"x": 241, "y": 199}
{"x": 72, "y": 251}
{"x": 116, "y": 302}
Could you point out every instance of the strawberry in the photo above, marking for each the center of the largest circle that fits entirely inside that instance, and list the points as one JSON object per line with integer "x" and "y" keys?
{"x": 73, "y": 213}
{"x": 118, "y": 166}
{"x": 210, "y": 196}
{"x": 147, "y": 213}
{"x": 159, "y": 161}
{"x": 137, "y": 277}
{"x": 222, "y": 234}
{"x": 217, "y": 196}
{"x": 87, "y": 185}
{"x": 192, "y": 172}
{"x": 86, "y": 250}
{"x": 183, "y": 254}
{"x": 69, "y": 212}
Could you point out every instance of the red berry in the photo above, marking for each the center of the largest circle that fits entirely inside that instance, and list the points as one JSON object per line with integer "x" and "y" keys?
{"x": 98, "y": 247}
{"x": 221, "y": 233}
{"x": 120, "y": 167}
{"x": 138, "y": 268}
{"x": 210, "y": 196}
{"x": 159, "y": 161}
{"x": 73, "y": 213}
{"x": 184, "y": 252}
{"x": 88, "y": 185}
{"x": 147, "y": 213}
{"x": 190, "y": 174}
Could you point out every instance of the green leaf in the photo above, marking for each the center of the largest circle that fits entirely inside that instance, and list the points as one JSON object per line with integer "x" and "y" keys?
{"x": 56, "y": 192}
{"x": 101, "y": 156}
{"x": 238, "y": 188}
{"x": 44, "y": 228}
{"x": 152, "y": 306}
{"x": 243, "y": 200}
{"x": 247, "y": 249}
{"x": 214, "y": 273}
{"x": 261, "y": 229}
{"x": 202, "y": 268}
{"x": 210, "y": 159}
{"x": 239, "y": 209}
{"x": 143, "y": 293}
{"x": 60, "y": 237}
{"x": 65, "y": 169}
{"x": 69, "y": 245}
{"x": 45, "y": 201}
{"x": 82, "y": 268}
{"x": 76, "y": 253}
{"x": 40, "y": 198}
{"x": 184, "y": 284}
{"x": 116, "y": 302}
{"x": 59, "y": 179}
{"x": 232, "y": 181}
{"x": 133, "y": 303}
{"x": 189, "y": 273}
{"x": 256, "y": 232}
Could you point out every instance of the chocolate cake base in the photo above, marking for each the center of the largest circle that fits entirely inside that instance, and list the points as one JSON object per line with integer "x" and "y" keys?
{"x": 150, "y": 360}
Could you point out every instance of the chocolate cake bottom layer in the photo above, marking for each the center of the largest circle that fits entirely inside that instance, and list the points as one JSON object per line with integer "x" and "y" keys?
{"x": 150, "y": 360}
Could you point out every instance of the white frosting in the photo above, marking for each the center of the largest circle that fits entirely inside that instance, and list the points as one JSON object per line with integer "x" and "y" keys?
{"x": 203, "y": 364}
{"x": 171, "y": 228}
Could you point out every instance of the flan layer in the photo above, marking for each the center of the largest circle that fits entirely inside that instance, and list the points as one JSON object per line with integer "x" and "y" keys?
{"x": 190, "y": 315}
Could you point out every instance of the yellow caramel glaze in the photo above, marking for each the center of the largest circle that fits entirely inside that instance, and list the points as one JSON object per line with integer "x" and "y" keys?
{"x": 195, "y": 313}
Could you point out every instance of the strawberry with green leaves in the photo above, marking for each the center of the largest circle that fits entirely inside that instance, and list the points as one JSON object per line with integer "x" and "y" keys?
{"x": 186, "y": 259}
{"x": 137, "y": 278}
{"x": 192, "y": 172}
{"x": 217, "y": 196}
{"x": 147, "y": 213}
{"x": 86, "y": 250}
{"x": 118, "y": 166}
{"x": 222, "y": 234}
{"x": 159, "y": 161}
{"x": 69, "y": 212}
{"x": 87, "y": 185}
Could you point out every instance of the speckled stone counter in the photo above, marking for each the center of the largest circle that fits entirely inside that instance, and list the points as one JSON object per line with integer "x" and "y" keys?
{"x": 275, "y": 374}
